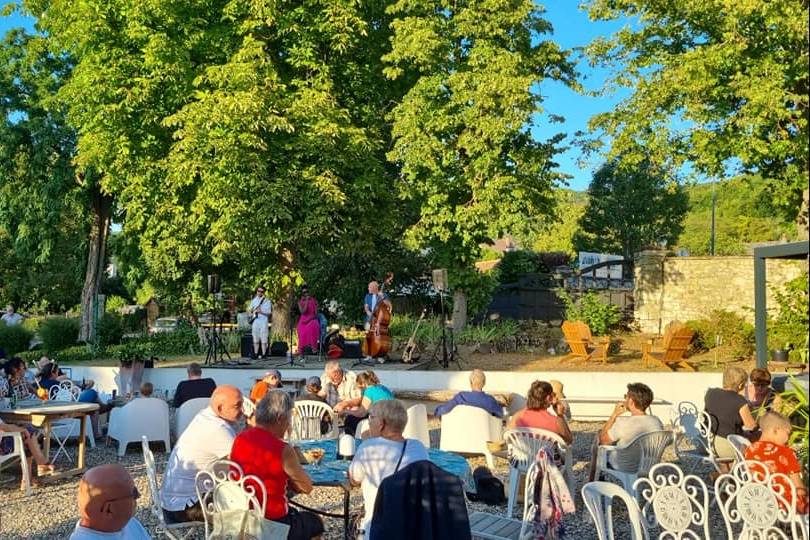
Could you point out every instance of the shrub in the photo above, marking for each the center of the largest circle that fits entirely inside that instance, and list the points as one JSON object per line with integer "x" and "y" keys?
{"x": 135, "y": 321}
{"x": 515, "y": 264}
{"x": 110, "y": 330}
{"x": 789, "y": 328}
{"x": 114, "y": 303}
{"x": 600, "y": 316}
{"x": 14, "y": 339}
{"x": 59, "y": 333}
{"x": 32, "y": 323}
{"x": 735, "y": 332}
{"x": 73, "y": 355}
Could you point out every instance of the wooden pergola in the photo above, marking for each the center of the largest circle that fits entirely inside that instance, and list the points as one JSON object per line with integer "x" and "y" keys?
{"x": 792, "y": 250}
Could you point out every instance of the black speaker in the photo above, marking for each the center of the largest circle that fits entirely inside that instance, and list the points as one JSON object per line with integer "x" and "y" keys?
{"x": 278, "y": 348}
{"x": 351, "y": 349}
{"x": 246, "y": 345}
{"x": 213, "y": 283}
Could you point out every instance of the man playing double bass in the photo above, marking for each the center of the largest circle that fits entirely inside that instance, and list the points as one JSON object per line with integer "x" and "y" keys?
{"x": 378, "y": 311}
{"x": 374, "y": 297}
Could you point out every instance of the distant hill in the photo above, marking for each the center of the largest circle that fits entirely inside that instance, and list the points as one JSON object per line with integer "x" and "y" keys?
{"x": 744, "y": 215}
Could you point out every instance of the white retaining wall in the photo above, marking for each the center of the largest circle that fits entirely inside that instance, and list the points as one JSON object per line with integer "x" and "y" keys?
{"x": 669, "y": 388}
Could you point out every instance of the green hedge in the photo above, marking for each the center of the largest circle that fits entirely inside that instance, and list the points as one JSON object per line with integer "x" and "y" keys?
{"x": 110, "y": 330}
{"x": 59, "y": 333}
{"x": 14, "y": 339}
{"x": 735, "y": 332}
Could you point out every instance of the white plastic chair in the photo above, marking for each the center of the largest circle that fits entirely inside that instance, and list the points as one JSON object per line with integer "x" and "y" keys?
{"x": 306, "y": 421}
{"x": 186, "y": 413}
{"x": 417, "y": 426}
{"x": 62, "y": 430}
{"x": 598, "y": 498}
{"x": 674, "y": 503}
{"x": 141, "y": 417}
{"x": 523, "y": 445}
{"x": 248, "y": 408}
{"x": 758, "y": 504}
{"x": 17, "y": 453}
{"x": 740, "y": 444}
{"x": 494, "y": 527}
{"x": 172, "y": 530}
{"x": 361, "y": 427}
{"x": 635, "y": 459}
{"x": 467, "y": 429}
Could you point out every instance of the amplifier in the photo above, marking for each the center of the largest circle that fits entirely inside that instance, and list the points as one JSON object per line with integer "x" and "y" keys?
{"x": 351, "y": 349}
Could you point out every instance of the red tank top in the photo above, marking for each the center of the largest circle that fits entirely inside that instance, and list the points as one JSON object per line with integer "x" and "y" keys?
{"x": 541, "y": 419}
{"x": 258, "y": 452}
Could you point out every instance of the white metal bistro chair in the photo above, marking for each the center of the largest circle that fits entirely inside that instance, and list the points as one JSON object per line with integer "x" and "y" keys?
{"x": 175, "y": 531}
{"x": 757, "y": 504}
{"x": 63, "y": 430}
{"x": 307, "y": 418}
{"x": 186, "y": 412}
{"x": 417, "y": 426}
{"x": 635, "y": 459}
{"x": 495, "y": 527}
{"x": 17, "y": 453}
{"x": 598, "y": 498}
{"x": 673, "y": 503}
{"x": 467, "y": 429}
{"x": 523, "y": 445}
{"x": 694, "y": 427}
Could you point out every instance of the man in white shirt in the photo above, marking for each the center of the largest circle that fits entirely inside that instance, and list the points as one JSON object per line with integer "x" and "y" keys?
{"x": 339, "y": 387}
{"x": 384, "y": 454}
{"x": 10, "y": 317}
{"x": 620, "y": 430}
{"x": 260, "y": 309}
{"x": 107, "y": 503}
{"x": 207, "y": 438}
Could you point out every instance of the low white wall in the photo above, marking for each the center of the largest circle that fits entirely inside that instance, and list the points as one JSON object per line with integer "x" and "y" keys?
{"x": 669, "y": 388}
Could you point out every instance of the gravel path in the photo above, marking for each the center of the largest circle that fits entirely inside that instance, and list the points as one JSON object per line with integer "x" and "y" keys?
{"x": 50, "y": 512}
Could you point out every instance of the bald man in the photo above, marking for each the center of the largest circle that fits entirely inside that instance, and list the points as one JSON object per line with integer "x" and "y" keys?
{"x": 107, "y": 503}
{"x": 207, "y": 438}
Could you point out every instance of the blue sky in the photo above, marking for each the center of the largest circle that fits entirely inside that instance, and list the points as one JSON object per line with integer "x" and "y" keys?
{"x": 572, "y": 28}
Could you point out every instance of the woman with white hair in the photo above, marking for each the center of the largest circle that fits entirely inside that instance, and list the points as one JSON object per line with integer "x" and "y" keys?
{"x": 262, "y": 451}
{"x": 383, "y": 454}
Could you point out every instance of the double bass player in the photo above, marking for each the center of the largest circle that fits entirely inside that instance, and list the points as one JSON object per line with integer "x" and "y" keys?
{"x": 378, "y": 309}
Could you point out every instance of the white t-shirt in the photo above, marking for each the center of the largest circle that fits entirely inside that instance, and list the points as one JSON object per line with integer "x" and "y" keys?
{"x": 11, "y": 320}
{"x": 133, "y": 530}
{"x": 376, "y": 460}
{"x": 207, "y": 439}
{"x": 264, "y": 310}
{"x": 627, "y": 428}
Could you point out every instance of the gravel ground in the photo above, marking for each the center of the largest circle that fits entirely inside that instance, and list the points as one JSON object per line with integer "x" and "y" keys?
{"x": 50, "y": 512}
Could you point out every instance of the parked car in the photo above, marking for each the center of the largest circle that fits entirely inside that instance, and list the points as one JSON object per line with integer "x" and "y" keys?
{"x": 164, "y": 324}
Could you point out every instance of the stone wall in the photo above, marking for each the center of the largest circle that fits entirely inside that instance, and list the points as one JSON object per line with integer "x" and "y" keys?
{"x": 687, "y": 288}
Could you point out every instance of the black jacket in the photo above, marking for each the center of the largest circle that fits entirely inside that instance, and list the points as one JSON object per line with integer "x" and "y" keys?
{"x": 420, "y": 502}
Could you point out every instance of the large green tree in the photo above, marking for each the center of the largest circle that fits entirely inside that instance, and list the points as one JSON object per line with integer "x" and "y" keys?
{"x": 631, "y": 206}
{"x": 462, "y": 132}
{"x": 719, "y": 84}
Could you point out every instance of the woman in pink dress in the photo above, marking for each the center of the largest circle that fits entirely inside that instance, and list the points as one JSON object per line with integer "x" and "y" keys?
{"x": 309, "y": 328}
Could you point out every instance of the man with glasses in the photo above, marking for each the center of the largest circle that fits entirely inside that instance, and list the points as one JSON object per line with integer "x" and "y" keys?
{"x": 260, "y": 309}
{"x": 107, "y": 503}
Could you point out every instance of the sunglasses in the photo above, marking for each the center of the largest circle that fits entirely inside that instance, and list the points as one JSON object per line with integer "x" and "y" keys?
{"x": 762, "y": 384}
{"x": 134, "y": 495}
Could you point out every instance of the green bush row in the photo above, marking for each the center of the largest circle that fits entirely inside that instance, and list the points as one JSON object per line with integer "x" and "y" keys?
{"x": 731, "y": 329}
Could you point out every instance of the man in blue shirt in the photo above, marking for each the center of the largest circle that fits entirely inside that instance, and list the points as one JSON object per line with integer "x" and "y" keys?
{"x": 474, "y": 398}
{"x": 90, "y": 395}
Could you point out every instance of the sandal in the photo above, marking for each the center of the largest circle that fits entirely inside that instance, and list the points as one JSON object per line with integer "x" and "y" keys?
{"x": 46, "y": 470}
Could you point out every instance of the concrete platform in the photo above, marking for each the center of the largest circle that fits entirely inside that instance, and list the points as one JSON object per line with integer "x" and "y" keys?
{"x": 313, "y": 362}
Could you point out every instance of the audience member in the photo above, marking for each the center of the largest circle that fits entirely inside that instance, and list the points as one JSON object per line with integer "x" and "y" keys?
{"x": 5, "y": 389}
{"x": 193, "y": 387}
{"x": 772, "y": 451}
{"x": 19, "y": 387}
{"x": 312, "y": 393}
{"x": 107, "y": 504}
{"x": 338, "y": 386}
{"x": 47, "y": 379}
{"x": 207, "y": 438}
{"x": 44, "y": 361}
{"x": 91, "y": 395}
{"x": 147, "y": 389}
{"x": 372, "y": 391}
{"x": 271, "y": 380}
{"x": 475, "y": 397}
{"x": 559, "y": 405}
{"x": 31, "y": 446}
{"x": 536, "y": 415}
{"x": 10, "y": 317}
{"x": 729, "y": 413}
{"x": 262, "y": 451}
{"x": 758, "y": 392}
{"x": 619, "y": 430}
{"x": 383, "y": 454}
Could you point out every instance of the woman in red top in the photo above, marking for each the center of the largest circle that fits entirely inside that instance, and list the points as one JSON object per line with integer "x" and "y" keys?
{"x": 536, "y": 415}
{"x": 772, "y": 451}
{"x": 262, "y": 451}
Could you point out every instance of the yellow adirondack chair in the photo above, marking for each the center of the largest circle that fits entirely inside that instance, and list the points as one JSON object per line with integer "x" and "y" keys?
{"x": 583, "y": 345}
{"x": 674, "y": 345}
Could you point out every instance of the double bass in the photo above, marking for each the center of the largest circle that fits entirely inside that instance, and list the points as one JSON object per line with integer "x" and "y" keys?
{"x": 378, "y": 341}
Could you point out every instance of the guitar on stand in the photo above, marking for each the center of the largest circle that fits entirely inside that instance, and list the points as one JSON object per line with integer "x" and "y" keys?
{"x": 411, "y": 348}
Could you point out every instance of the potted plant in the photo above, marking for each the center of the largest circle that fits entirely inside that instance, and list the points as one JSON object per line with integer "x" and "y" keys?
{"x": 781, "y": 355}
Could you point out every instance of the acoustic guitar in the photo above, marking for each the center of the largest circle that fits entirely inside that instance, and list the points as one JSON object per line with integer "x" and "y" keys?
{"x": 410, "y": 348}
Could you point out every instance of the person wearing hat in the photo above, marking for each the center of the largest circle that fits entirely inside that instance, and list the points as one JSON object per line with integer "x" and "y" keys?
{"x": 559, "y": 405}
{"x": 269, "y": 381}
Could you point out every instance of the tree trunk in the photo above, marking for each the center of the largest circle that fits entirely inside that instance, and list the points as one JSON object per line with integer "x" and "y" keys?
{"x": 96, "y": 258}
{"x": 281, "y": 318}
{"x": 459, "y": 310}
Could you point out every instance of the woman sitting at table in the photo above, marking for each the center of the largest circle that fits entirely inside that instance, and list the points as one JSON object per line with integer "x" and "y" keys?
{"x": 309, "y": 327}
{"x": 383, "y": 454}
{"x": 371, "y": 392}
{"x": 31, "y": 446}
{"x": 19, "y": 387}
{"x": 262, "y": 451}
{"x": 47, "y": 379}
{"x": 536, "y": 415}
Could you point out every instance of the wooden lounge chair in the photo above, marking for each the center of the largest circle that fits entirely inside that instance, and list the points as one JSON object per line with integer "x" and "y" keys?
{"x": 583, "y": 345}
{"x": 674, "y": 345}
